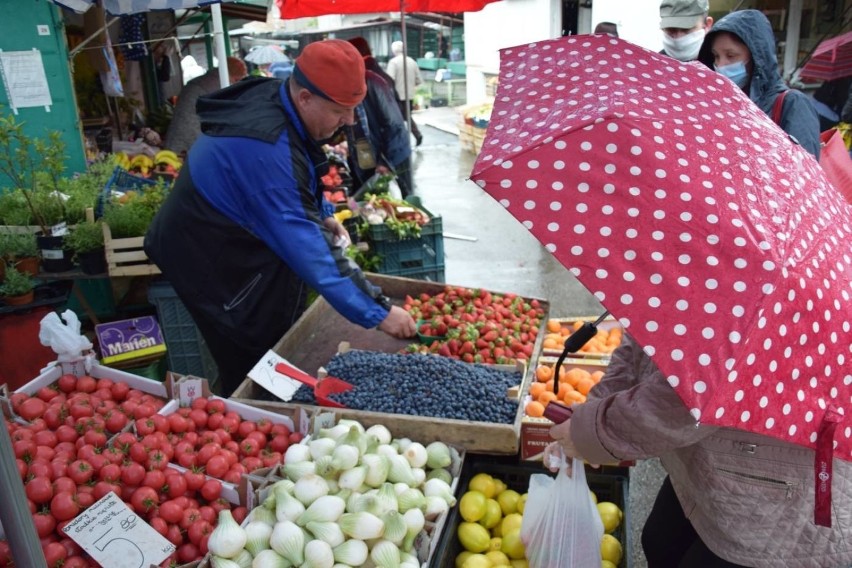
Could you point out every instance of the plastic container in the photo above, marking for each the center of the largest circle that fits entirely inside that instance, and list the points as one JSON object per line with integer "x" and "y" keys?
{"x": 428, "y": 339}
{"x": 415, "y": 255}
{"x": 121, "y": 180}
{"x": 187, "y": 352}
{"x": 516, "y": 476}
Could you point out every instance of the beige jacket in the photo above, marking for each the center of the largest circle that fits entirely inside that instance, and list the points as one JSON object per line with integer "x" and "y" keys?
{"x": 749, "y": 497}
{"x": 404, "y": 73}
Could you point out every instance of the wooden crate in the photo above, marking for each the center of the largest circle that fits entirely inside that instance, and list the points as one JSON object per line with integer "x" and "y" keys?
{"x": 314, "y": 340}
{"x": 125, "y": 257}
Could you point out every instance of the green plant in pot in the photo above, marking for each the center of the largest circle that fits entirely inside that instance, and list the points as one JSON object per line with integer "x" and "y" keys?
{"x": 87, "y": 242}
{"x": 17, "y": 287}
{"x": 21, "y": 251}
{"x": 34, "y": 167}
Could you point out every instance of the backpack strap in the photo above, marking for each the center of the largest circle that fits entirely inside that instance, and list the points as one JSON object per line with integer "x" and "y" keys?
{"x": 778, "y": 107}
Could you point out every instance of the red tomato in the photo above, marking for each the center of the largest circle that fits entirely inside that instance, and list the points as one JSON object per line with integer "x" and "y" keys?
{"x": 178, "y": 423}
{"x": 280, "y": 443}
{"x": 246, "y": 427}
{"x": 75, "y": 562}
{"x": 211, "y": 489}
{"x": 115, "y": 421}
{"x": 249, "y": 448}
{"x": 232, "y": 476}
{"x": 144, "y": 410}
{"x": 65, "y": 484}
{"x": 86, "y": 384}
{"x": 132, "y": 473}
{"x": 197, "y": 530}
{"x": 102, "y": 488}
{"x": 188, "y": 552}
{"x": 239, "y": 514}
{"x": 80, "y": 471}
{"x": 40, "y": 467}
{"x": 296, "y": 437}
{"x": 155, "y": 479}
{"x": 39, "y": 490}
{"x": 145, "y": 426}
{"x": 157, "y": 460}
{"x": 47, "y": 393}
{"x": 264, "y": 426}
{"x": 22, "y": 469}
{"x": 113, "y": 455}
{"x": 171, "y": 512}
{"x": 85, "y": 499}
{"x": 230, "y": 424}
{"x": 71, "y": 547}
{"x": 54, "y": 555}
{"x": 124, "y": 440}
{"x": 217, "y": 466}
{"x": 25, "y": 449}
{"x": 67, "y": 383}
{"x": 160, "y": 525}
{"x": 64, "y": 506}
{"x": 31, "y": 408}
{"x": 215, "y": 406}
{"x": 220, "y": 505}
{"x": 138, "y": 453}
{"x": 253, "y": 463}
{"x": 144, "y": 500}
{"x": 198, "y": 404}
{"x": 66, "y": 433}
{"x": 208, "y": 513}
{"x": 206, "y": 452}
{"x": 215, "y": 419}
{"x": 279, "y": 429}
{"x": 46, "y": 438}
{"x": 177, "y": 485}
{"x": 194, "y": 480}
{"x": 81, "y": 410}
{"x": 44, "y": 523}
{"x": 111, "y": 472}
{"x": 119, "y": 391}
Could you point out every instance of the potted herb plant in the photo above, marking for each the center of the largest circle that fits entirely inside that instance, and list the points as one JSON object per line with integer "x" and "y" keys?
{"x": 34, "y": 167}
{"x": 87, "y": 242}
{"x": 21, "y": 251}
{"x": 17, "y": 288}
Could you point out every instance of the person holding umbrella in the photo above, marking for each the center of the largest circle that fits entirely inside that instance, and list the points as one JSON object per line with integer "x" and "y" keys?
{"x": 245, "y": 231}
{"x": 741, "y": 46}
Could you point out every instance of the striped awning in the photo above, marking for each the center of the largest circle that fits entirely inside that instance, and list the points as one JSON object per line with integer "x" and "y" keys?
{"x": 832, "y": 59}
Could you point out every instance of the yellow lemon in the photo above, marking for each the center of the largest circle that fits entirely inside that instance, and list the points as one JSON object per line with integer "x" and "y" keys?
{"x": 522, "y": 503}
{"x": 496, "y": 542}
{"x": 593, "y": 496}
{"x": 610, "y": 515}
{"x": 508, "y": 500}
{"x": 497, "y": 558}
{"x": 499, "y": 486}
{"x": 520, "y": 563}
{"x": 611, "y": 549}
{"x": 462, "y": 557}
{"x": 477, "y": 561}
{"x": 512, "y": 545}
{"x": 511, "y": 522}
{"x": 483, "y": 483}
{"x": 474, "y": 537}
{"x": 493, "y": 514}
{"x": 472, "y": 506}
{"x": 607, "y": 564}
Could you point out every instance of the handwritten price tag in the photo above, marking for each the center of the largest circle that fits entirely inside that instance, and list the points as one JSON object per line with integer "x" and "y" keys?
{"x": 264, "y": 374}
{"x": 116, "y": 537}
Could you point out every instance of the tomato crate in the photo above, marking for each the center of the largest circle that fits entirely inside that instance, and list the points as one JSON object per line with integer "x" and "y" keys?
{"x": 607, "y": 487}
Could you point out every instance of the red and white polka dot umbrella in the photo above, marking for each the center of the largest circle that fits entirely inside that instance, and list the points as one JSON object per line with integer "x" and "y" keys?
{"x": 693, "y": 218}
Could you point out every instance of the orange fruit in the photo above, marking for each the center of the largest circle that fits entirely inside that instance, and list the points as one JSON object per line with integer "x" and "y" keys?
{"x": 597, "y": 376}
{"x": 565, "y": 331}
{"x": 535, "y": 409}
{"x": 536, "y": 389}
{"x": 544, "y": 373}
{"x": 553, "y": 326}
{"x": 564, "y": 389}
{"x": 577, "y": 325}
{"x": 574, "y": 375}
{"x": 583, "y": 386}
{"x": 550, "y": 343}
{"x": 574, "y": 397}
{"x": 549, "y": 385}
{"x": 547, "y": 397}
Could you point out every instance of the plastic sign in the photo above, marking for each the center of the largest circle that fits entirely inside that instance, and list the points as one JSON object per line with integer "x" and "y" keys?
{"x": 264, "y": 374}
{"x": 117, "y": 537}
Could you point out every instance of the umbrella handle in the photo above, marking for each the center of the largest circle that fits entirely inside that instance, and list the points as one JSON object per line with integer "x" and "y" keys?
{"x": 294, "y": 373}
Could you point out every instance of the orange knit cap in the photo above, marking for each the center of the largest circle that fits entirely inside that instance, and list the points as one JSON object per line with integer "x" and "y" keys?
{"x": 332, "y": 69}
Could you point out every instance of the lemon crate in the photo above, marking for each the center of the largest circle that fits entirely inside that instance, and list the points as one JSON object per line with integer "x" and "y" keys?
{"x": 607, "y": 487}
{"x": 412, "y": 256}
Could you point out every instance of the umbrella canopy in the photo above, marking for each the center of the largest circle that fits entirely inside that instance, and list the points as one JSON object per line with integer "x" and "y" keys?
{"x": 123, "y": 7}
{"x": 266, "y": 54}
{"x": 308, "y": 8}
{"x": 693, "y": 218}
{"x": 832, "y": 59}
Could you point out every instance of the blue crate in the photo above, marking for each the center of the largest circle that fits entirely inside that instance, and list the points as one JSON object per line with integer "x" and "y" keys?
{"x": 121, "y": 180}
{"x": 186, "y": 350}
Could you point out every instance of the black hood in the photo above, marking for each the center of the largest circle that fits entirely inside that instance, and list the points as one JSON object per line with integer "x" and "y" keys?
{"x": 250, "y": 108}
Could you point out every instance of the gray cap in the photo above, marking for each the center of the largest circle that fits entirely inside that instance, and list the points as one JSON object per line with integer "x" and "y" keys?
{"x": 683, "y": 14}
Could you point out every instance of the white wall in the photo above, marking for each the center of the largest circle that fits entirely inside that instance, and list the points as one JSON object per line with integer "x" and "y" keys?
{"x": 638, "y": 20}
{"x": 504, "y": 24}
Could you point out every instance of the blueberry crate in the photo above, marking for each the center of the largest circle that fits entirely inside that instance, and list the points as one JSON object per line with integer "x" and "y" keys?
{"x": 186, "y": 350}
{"x": 607, "y": 487}
{"x": 121, "y": 180}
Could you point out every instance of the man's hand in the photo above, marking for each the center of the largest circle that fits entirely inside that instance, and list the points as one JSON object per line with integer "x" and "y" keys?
{"x": 340, "y": 236}
{"x": 398, "y": 323}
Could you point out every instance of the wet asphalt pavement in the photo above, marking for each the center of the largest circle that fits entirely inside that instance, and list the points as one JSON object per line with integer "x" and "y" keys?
{"x": 494, "y": 251}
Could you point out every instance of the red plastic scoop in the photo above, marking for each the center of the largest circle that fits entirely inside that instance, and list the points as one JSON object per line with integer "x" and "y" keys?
{"x": 322, "y": 387}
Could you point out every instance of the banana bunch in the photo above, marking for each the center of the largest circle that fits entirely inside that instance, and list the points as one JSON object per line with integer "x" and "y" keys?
{"x": 122, "y": 160}
{"x": 166, "y": 159}
{"x": 142, "y": 163}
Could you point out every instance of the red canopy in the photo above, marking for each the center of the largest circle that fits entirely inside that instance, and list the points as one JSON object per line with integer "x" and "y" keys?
{"x": 306, "y": 8}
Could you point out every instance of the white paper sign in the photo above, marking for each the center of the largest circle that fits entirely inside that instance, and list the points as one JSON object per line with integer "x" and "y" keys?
{"x": 116, "y": 537}
{"x": 25, "y": 79}
{"x": 189, "y": 390}
{"x": 264, "y": 374}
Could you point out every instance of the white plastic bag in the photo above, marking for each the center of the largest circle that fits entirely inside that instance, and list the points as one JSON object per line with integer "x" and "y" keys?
{"x": 562, "y": 527}
{"x": 64, "y": 338}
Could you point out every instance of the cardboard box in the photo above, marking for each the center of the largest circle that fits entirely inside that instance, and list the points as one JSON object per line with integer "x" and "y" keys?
{"x": 130, "y": 342}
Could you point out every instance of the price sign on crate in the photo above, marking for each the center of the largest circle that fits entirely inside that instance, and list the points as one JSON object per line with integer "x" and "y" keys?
{"x": 264, "y": 374}
{"x": 117, "y": 537}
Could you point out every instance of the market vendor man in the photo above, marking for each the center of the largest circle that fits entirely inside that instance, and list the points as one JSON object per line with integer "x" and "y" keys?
{"x": 245, "y": 231}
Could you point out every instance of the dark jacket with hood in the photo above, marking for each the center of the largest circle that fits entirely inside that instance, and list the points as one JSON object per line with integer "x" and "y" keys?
{"x": 798, "y": 117}
{"x": 241, "y": 232}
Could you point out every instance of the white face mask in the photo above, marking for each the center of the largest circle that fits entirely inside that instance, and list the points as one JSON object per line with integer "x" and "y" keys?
{"x": 684, "y": 48}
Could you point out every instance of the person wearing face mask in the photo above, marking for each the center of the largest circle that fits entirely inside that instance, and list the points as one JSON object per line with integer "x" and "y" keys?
{"x": 741, "y": 46}
{"x": 684, "y": 23}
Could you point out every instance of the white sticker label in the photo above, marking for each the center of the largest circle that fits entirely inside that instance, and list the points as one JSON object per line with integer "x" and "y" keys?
{"x": 52, "y": 254}
{"x": 189, "y": 390}
{"x": 264, "y": 374}
{"x": 43, "y": 30}
{"x": 115, "y": 536}
{"x": 59, "y": 230}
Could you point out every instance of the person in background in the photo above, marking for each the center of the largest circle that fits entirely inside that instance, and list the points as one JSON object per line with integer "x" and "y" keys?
{"x": 732, "y": 498}
{"x": 280, "y": 69}
{"x": 741, "y": 46}
{"x": 684, "y": 24}
{"x": 185, "y": 126}
{"x": 829, "y": 99}
{"x": 382, "y": 124}
{"x": 608, "y": 28}
{"x": 406, "y": 76}
{"x": 245, "y": 233}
